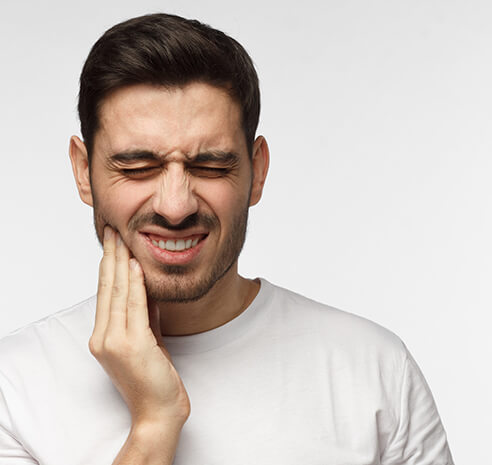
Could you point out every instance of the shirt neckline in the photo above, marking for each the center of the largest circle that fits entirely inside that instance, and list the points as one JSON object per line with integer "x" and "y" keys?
{"x": 228, "y": 332}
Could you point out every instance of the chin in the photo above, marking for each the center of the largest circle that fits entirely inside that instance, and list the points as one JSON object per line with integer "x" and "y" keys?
{"x": 181, "y": 284}
{"x": 177, "y": 289}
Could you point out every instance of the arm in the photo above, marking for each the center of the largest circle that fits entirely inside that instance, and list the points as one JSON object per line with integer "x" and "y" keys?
{"x": 126, "y": 341}
{"x": 12, "y": 451}
{"x": 420, "y": 438}
{"x": 149, "y": 445}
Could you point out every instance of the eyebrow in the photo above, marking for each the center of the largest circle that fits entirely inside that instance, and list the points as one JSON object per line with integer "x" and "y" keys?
{"x": 218, "y": 156}
{"x": 134, "y": 155}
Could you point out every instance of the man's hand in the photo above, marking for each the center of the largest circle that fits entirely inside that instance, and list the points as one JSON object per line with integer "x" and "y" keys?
{"x": 126, "y": 341}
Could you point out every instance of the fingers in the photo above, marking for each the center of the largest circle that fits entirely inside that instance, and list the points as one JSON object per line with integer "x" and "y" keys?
{"x": 119, "y": 297}
{"x": 105, "y": 284}
{"x": 138, "y": 315}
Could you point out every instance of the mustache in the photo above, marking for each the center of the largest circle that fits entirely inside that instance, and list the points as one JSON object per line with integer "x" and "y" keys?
{"x": 196, "y": 219}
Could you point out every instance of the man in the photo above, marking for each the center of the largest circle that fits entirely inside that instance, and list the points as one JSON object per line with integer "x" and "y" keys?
{"x": 179, "y": 359}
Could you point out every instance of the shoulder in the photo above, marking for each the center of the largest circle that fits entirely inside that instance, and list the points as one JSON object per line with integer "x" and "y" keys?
{"x": 341, "y": 331}
{"x": 48, "y": 338}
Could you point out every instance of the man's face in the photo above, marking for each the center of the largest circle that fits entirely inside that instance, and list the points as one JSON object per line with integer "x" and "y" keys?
{"x": 171, "y": 172}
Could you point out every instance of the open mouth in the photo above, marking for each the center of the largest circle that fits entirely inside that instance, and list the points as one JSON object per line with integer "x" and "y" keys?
{"x": 176, "y": 245}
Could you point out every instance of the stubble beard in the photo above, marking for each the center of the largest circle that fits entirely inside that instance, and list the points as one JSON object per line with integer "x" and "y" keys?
{"x": 181, "y": 283}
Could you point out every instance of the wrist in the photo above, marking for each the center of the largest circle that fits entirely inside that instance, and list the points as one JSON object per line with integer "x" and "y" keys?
{"x": 149, "y": 431}
{"x": 150, "y": 444}
{"x": 166, "y": 419}
{"x": 155, "y": 439}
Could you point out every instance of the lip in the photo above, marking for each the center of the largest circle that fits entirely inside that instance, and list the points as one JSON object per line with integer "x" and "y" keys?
{"x": 182, "y": 257}
{"x": 165, "y": 234}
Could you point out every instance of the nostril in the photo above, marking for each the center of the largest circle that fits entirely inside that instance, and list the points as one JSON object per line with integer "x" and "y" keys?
{"x": 175, "y": 207}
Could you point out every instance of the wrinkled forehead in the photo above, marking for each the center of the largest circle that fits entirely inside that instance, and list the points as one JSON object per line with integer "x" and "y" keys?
{"x": 188, "y": 119}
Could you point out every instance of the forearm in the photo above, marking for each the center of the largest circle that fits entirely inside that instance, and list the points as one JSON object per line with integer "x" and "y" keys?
{"x": 149, "y": 445}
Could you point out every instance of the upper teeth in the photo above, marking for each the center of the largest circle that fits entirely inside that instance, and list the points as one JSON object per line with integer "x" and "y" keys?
{"x": 173, "y": 245}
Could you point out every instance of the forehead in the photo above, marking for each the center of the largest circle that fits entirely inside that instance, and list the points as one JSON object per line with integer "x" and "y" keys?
{"x": 186, "y": 119}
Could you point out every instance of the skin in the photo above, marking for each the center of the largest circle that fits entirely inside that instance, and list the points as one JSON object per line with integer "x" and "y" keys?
{"x": 126, "y": 342}
{"x": 144, "y": 293}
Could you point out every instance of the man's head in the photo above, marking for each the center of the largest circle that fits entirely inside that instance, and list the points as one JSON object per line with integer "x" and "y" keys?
{"x": 169, "y": 51}
{"x": 169, "y": 109}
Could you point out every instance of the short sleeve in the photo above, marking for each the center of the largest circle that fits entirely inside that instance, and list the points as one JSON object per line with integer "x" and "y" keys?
{"x": 420, "y": 438}
{"x": 11, "y": 450}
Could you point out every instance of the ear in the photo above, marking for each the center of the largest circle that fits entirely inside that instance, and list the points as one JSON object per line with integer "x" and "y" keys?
{"x": 80, "y": 167}
{"x": 260, "y": 162}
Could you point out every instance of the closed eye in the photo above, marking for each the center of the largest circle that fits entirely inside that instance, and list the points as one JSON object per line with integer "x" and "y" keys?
{"x": 208, "y": 171}
{"x": 138, "y": 171}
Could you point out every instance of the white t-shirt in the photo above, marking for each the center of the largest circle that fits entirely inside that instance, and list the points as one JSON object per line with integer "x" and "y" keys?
{"x": 288, "y": 382}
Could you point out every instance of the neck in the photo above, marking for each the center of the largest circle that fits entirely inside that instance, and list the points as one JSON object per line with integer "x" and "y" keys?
{"x": 227, "y": 299}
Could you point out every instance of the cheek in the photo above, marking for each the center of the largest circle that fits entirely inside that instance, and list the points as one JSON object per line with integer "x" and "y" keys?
{"x": 224, "y": 199}
{"x": 120, "y": 203}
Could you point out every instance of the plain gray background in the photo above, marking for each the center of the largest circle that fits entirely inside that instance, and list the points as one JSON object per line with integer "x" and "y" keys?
{"x": 378, "y": 115}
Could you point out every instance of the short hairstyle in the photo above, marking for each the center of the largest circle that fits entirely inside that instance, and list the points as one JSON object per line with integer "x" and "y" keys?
{"x": 166, "y": 50}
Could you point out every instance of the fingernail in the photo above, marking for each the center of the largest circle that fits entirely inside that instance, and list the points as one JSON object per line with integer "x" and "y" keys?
{"x": 118, "y": 239}
{"x": 133, "y": 264}
{"x": 108, "y": 233}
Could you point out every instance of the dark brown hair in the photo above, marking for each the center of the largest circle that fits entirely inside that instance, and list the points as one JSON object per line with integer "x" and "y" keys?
{"x": 169, "y": 51}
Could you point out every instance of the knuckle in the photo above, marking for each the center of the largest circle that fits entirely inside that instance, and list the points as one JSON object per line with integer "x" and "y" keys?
{"x": 104, "y": 283}
{"x": 107, "y": 252}
{"x": 117, "y": 289}
{"x": 116, "y": 348}
{"x": 109, "y": 346}
{"x": 94, "y": 346}
{"x": 133, "y": 303}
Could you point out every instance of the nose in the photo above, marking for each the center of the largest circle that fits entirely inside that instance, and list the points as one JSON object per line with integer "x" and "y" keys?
{"x": 174, "y": 198}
